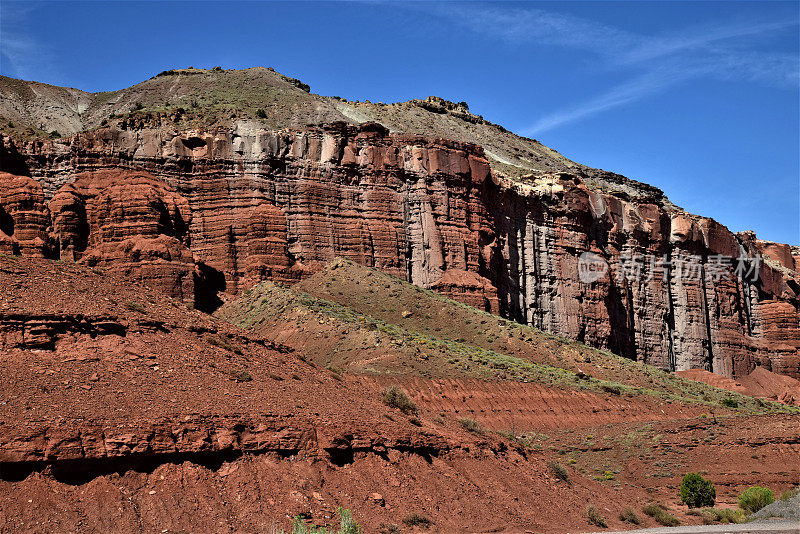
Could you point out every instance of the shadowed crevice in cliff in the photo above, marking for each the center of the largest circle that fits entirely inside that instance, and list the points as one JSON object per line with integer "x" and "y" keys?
{"x": 208, "y": 284}
{"x": 6, "y": 222}
{"x": 11, "y": 161}
{"x": 193, "y": 143}
{"x": 81, "y": 471}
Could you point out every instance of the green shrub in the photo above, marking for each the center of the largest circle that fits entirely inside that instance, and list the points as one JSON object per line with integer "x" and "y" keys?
{"x": 720, "y": 515}
{"x": 755, "y": 498}
{"x": 595, "y": 518}
{"x": 660, "y": 514}
{"x": 417, "y": 520}
{"x": 347, "y": 524}
{"x": 652, "y": 509}
{"x": 730, "y": 403}
{"x": 629, "y": 516}
{"x": 395, "y": 397}
{"x": 261, "y": 114}
{"x": 697, "y": 492}
{"x": 788, "y": 494}
{"x": 299, "y": 527}
{"x": 471, "y": 425}
{"x": 559, "y": 471}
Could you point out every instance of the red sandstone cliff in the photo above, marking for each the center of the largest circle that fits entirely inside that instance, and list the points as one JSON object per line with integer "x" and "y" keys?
{"x": 194, "y": 213}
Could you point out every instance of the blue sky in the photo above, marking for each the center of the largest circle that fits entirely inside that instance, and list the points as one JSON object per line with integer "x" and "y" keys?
{"x": 697, "y": 98}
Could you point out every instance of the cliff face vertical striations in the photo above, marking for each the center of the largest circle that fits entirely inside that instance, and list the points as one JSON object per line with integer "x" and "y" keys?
{"x": 194, "y": 212}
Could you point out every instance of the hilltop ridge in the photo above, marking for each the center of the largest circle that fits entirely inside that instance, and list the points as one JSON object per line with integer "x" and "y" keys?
{"x": 263, "y": 97}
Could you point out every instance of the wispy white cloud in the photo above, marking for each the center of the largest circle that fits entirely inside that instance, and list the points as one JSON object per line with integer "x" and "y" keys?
{"x": 650, "y": 64}
{"x": 17, "y": 51}
{"x": 701, "y": 38}
{"x": 631, "y": 91}
{"x": 23, "y": 56}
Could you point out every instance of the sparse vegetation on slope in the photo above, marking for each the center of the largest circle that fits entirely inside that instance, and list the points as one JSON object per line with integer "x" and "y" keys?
{"x": 661, "y": 515}
{"x": 629, "y": 516}
{"x": 347, "y": 525}
{"x": 755, "y": 498}
{"x": 187, "y": 98}
{"x": 396, "y": 398}
{"x": 363, "y": 315}
{"x": 712, "y": 516}
{"x": 697, "y": 492}
{"x": 595, "y": 517}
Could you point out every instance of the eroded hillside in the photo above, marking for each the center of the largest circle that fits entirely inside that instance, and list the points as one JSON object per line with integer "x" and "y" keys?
{"x": 125, "y": 409}
{"x": 263, "y": 98}
{"x": 202, "y": 183}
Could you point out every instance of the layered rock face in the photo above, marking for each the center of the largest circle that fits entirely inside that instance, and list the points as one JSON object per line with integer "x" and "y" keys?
{"x": 681, "y": 291}
{"x": 128, "y": 222}
{"x": 24, "y": 218}
{"x": 254, "y": 204}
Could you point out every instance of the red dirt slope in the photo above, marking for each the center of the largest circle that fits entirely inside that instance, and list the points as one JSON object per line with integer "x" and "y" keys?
{"x": 125, "y": 411}
{"x": 760, "y": 383}
{"x": 122, "y": 410}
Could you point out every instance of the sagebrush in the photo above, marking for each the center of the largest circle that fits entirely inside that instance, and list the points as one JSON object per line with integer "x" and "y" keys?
{"x": 397, "y": 398}
{"x": 755, "y": 498}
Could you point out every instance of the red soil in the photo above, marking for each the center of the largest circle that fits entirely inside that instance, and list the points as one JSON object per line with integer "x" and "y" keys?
{"x": 760, "y": 383}
{"x": 122, "y": 410}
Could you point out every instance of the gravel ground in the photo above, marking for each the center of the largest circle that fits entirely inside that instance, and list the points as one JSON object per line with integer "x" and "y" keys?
{"x": 789, "y": 509}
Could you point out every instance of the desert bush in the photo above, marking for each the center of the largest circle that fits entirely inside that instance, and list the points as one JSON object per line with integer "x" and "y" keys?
{"x": 135, "y": 306}
{"x": 755, "y": 498}
{"x": 711, "y": 516}
{"x": 660, "y": 514}
{"x": 417, "y": 520}
{"x": 395, "y": 397}
{"x": 696, "y": 491}
{"x": 652, "y": 509}
{"x": 730, "y": 403}
{"x": 614, "y": 390}
{"x": 788, "y": 494}
{"x": 629, "y": 516}
{"x": 241, "y": 375}
{"x": 471, "y": 425}
{"x": 261, "y": 114}
{"x": 299, "y": 527}
{"x": 559, "y": 471}
{"x": 346, "y": 525}
{"x": 595, "y": 518}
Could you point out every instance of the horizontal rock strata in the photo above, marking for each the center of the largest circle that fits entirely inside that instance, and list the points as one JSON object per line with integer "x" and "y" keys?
{"x": 198, "y": 212}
